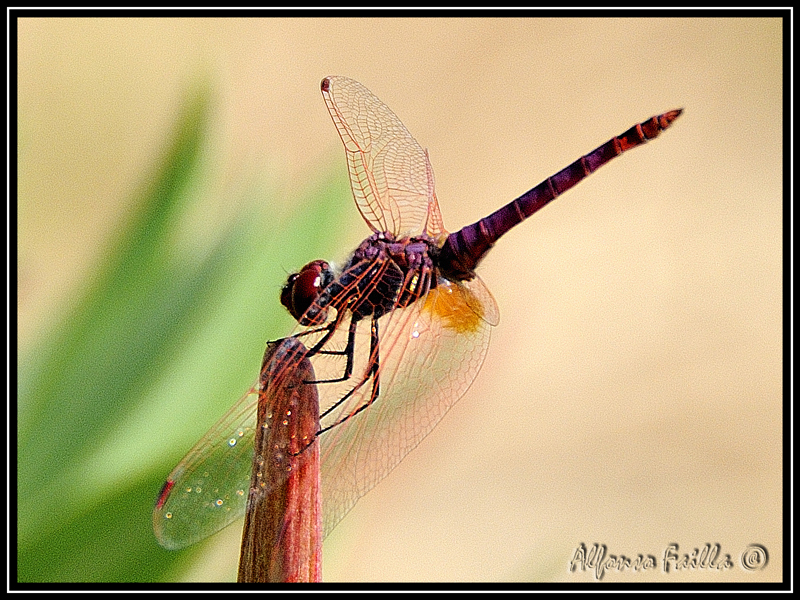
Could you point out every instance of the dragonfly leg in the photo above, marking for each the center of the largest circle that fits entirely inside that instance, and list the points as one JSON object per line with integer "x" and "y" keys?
{"x": 329, "y": 330}
{"x": 373, "y": 372}
{"x": 348, "y": 352}
{"x": 326, "y": 328}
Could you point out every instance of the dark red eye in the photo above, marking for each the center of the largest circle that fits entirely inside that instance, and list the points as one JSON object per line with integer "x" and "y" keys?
{"x": 303, "y": 288}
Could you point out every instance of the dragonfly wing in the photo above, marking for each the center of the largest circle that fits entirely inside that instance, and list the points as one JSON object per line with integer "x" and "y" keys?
{"x": 390, "y": 173}
{"x": 429, "y": 354}
{"x": 208, "y": 489}
{"x": 481, "y": 301}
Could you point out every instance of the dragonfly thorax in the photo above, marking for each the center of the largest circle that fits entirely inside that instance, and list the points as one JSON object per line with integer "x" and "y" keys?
{"x": 384, "y": 273}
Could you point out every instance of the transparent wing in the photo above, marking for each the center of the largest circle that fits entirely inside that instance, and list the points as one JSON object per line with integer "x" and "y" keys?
{"x": 390, "y": 173}
{"x": 209, "y": 487}
{"x": 429, "y": 353}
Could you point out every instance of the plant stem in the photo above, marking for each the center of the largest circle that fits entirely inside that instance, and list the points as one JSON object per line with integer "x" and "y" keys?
{"x": 282, "y": 538}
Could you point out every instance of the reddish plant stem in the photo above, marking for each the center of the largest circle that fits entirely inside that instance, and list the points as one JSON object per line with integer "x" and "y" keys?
{"x": 282, "y": 538}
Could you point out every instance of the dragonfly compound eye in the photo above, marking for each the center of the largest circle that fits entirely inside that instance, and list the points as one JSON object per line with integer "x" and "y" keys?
{"x": 303, "y": 288}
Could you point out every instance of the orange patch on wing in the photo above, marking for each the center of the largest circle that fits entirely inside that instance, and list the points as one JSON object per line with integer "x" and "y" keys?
{"x": 447, "y": 302}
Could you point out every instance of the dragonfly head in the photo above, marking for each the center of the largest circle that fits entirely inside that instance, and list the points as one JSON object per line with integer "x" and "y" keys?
{"x": 303, "y": 288}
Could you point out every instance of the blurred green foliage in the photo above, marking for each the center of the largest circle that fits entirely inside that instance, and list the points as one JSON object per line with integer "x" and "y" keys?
{"x": 164, "y": 339}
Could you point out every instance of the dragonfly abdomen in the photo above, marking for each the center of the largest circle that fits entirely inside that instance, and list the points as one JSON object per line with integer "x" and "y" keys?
{"x": 465, "y": 248}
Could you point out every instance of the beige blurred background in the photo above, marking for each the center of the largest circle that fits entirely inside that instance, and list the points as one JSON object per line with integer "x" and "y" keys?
{"x": 632, "y": 391}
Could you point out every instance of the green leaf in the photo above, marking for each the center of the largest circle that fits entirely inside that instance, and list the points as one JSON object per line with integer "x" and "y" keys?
{"x": 167, "y": 336}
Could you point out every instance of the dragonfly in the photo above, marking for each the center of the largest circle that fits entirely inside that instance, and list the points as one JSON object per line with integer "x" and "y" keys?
{"x": 396, "y": 335}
